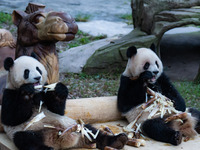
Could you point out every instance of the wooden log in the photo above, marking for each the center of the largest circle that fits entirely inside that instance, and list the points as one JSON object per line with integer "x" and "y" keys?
{"x": 93, "y": 110}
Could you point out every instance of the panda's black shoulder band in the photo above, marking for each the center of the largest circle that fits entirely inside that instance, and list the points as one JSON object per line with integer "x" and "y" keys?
{"x": 131, "y": 51}
{"x": 8, "y": 62}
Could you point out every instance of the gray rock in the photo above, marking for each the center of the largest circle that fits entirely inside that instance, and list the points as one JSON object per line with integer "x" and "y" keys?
{"x": 144, "y": 11}
{"x": 74, "y": 59}
{"x": 180, "y": 55}
{"x": 170, "y": 19}
{"x": 112, "y": 57}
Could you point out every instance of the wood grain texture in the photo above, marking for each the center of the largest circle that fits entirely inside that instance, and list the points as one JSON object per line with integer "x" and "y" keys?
{"x": 91, "y": 110}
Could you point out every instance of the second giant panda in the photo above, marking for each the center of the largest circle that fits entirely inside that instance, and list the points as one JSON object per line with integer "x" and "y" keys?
{"x": 145, "y": 70}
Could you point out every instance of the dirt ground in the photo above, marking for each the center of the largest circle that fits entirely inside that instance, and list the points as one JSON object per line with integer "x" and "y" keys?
{"x": 180, "y": 54}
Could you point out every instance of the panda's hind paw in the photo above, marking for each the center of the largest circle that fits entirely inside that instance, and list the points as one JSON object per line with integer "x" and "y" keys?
{"x": 117, "y": 142}
{"x": 177, "y": 139}
{"x": 120, "y": 141}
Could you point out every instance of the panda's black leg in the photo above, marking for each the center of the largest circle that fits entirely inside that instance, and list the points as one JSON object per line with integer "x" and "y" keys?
{"x": 103, "y": 140}
{"x": 195, "y": 113}
{"x": 158, "y": 130}
{"x": 30, "y": 140}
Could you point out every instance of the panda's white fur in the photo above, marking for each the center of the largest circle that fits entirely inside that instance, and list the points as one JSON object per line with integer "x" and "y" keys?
{"x": 16, "y": 73}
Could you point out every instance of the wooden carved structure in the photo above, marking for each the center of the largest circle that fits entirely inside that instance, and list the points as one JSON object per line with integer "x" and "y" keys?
{"x": 38, "y": 31}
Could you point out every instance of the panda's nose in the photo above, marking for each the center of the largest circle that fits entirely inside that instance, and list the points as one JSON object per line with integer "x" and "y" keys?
{"x": 37, "y": 78}
{"x": 155, "y": 72}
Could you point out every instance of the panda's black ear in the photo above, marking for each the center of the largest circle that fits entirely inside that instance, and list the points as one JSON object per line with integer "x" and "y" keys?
{"x": 8, "y": 62}
{"x": 34, "y": 55}
{"x": 131, "y": 51}
{"x": 153, "y": 47}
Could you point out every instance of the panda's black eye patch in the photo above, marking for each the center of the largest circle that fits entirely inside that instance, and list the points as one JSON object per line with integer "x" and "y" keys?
{"x": 157, "y": 64}
{"x": 26, "y": 73}
{"x": 38, "y": 69}
{"x": 146, "y": 66}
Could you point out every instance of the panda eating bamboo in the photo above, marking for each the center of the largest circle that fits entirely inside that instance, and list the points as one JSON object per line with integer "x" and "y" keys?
{"x": 44, "y": 128}
{"x": 150, "y": 102}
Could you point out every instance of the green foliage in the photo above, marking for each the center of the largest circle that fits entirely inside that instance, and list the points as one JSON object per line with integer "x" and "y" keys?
{"x": 128, "y": 18}
{"x": 82, "y": 17}
{"x": 190, "y": 92}
{"x": 81, "y": 33}
{"x": 6, "y": 22}
{"x": 83, "y": 38}
{"x": 84, "y": 85}
{"x": 5, "y": 18}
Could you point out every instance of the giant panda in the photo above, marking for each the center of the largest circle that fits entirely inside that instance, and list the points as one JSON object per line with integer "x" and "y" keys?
{"x": 145, "y": 69}
{"x": 52, "y": 130}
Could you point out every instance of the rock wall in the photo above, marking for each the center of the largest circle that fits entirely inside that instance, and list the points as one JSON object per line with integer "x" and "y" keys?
{"x": 144, "y": 11}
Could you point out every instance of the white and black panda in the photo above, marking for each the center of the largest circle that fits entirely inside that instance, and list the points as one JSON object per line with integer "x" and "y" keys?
{"x": 144, "y": 69}
{"x": 53, "y": 130}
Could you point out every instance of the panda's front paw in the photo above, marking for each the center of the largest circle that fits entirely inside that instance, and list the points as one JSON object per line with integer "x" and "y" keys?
{"x": 61, "y": 90}
{"x": 145, "y": 76}
{"x": 27, "y": 89}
